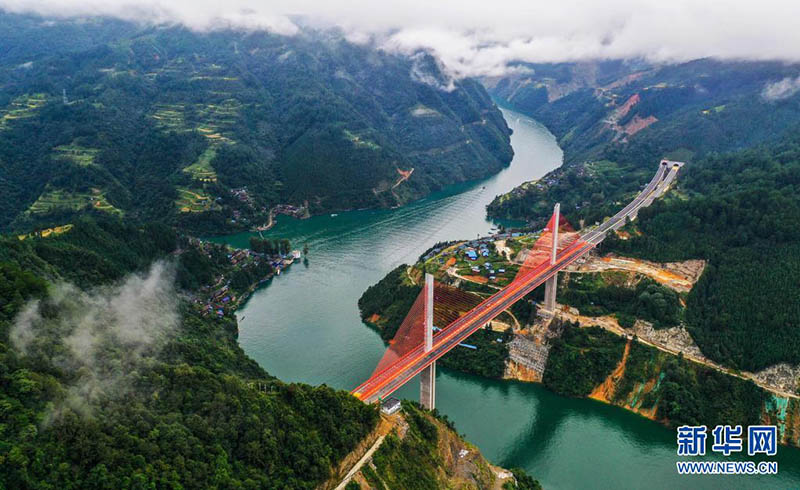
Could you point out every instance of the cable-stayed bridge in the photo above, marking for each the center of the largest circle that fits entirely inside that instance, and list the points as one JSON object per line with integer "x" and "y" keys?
{"x": 418, "y": 343}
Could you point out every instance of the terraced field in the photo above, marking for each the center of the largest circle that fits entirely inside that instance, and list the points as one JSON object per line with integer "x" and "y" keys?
{"x": 60, "y": 200}
{"x": 359, "y": 141}
{"x": 211, "y": 77}
{"x": 216, "y": 119}
{"x": 194, "y": 201}
{"x": 21, "y": 107}
{"x": 169, "y": 117}
{"x": 212, "y": 120}
{"x": 100, "y": 203}
{"x": 115, "y": 72}
{"x": 54, "y": 231}
{"x": 79, "y": 155}
{"x": 201, "y": 170}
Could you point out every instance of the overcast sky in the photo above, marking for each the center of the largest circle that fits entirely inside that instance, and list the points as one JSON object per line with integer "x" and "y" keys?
{"x": 480, "y": 37}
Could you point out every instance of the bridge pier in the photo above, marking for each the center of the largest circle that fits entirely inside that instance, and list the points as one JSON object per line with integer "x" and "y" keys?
{"x": 550, "y": 293}
{"x": 551, "y": 285}
{"x": 427, "y": 377}
{"x": 402, "y": 370}
{"x": 427, "y": 387}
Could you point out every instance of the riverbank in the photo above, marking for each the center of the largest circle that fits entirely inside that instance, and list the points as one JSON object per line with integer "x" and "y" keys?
{"x": 298, "y": 212}
{"x": 650, "y": 381}
{"x": 538, "y": 352}
{"x": 777, "y": 406}
{"x": 398, "y": 452}
{"x": 308, "y": 329}
{"x": 235, "y": 274}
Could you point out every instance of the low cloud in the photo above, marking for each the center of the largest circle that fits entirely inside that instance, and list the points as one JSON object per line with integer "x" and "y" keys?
{"x": 430, "y": 71}
{"x": 473, "y": 37}
{"x": 782, "y": 89}
{"x": 99, "y": 339}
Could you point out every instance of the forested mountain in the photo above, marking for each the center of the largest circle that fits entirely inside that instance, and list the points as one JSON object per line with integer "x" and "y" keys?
{"x": 111, "y": 376}
{"x": 712, "y": 105}
{"x": 115, "y": 382}
{"x": 616, "y": 119}
{"x": 211, "y": 130}
{"x": 735, "y": 205}
{"x": 741, "y": 211}
{"x": 115, "y": 139}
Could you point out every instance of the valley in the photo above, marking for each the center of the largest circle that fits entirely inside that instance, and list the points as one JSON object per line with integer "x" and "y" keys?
{"x": 170, "y": 125}
{"x": 237, "y": 245}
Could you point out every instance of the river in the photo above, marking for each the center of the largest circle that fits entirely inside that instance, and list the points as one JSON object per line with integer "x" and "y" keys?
{"x": 304, "y": 327}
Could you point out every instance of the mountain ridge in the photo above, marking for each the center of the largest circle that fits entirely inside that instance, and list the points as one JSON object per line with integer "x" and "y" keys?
{"x": 310, "y": 120}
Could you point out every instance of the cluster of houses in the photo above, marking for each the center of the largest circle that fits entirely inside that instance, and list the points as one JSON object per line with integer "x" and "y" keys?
{"x": 472, "y": 250}
{"x": 432, "y": 253}
{"x": 472, "y": 254}
{"x": 240, "y": 256}
{"x": 480, "y": 246}
{"x": 483, "y": 243}
{"x": 242, "y": 195}
{"x": 489, "y": 269}
{"x": 289, "y": 210}
{"x": 220, "y": 298}
{"x": 475, "y": 249}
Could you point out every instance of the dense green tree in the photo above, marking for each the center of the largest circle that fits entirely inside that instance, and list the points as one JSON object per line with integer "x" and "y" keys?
{"x": 581, "y": 359}
{"x": 193, "y": 414}
{"x": 647, "y": 300}
{"x": 743, "y": 217}
{"x": 391, "y": 298}
{"x": 177, "y": 126}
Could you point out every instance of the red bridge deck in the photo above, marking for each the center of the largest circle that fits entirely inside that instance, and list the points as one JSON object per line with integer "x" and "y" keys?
{"x": 384, "y": 382}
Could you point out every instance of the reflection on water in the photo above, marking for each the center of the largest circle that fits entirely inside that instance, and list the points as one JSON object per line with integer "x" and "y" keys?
{"x": 305, "y": 327}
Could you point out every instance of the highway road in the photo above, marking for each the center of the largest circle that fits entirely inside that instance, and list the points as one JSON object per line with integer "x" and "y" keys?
{"x": 393, "y": 377}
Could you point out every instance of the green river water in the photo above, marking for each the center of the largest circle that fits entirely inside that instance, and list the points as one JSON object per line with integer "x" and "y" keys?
{"x": 304, "y": 327}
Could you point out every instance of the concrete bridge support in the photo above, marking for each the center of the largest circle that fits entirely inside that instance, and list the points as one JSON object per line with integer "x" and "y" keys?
{"x": 427, "y": 387}
{"x": 427, "y": 378}
{"x": 550, "y": 287}
{"x": 552, "y": 284}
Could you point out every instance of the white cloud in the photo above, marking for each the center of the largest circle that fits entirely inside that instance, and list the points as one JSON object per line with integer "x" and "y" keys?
{"x": 782, "y": 89}
{"x": 475, "y": 37}
{"x": 105, "y": 335}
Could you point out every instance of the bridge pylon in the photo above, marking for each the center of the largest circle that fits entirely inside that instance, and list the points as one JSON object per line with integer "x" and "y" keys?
{"x": 397, "y": 367}
{"x": 552, "y": 284}
{"x": 427, "y": 378}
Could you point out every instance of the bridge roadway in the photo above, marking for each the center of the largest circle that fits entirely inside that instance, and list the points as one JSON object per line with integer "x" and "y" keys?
{"x": 393, "y": 377}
